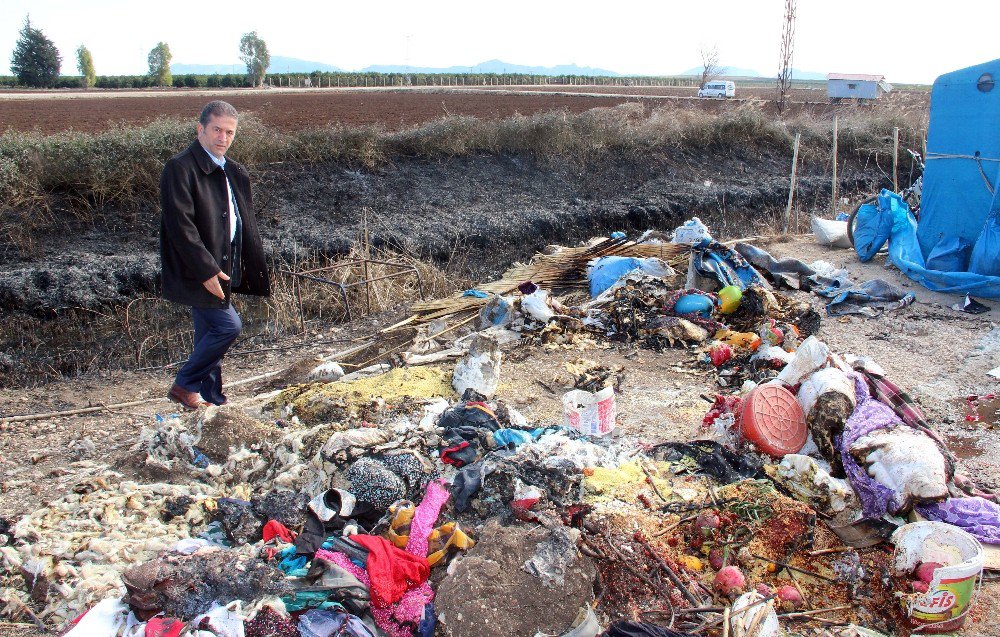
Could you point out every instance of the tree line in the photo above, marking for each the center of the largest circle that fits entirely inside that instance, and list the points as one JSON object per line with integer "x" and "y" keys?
{"x": 36, "y": 62}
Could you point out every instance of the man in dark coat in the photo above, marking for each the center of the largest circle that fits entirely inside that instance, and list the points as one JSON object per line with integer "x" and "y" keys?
{"x": 209, "y": 248}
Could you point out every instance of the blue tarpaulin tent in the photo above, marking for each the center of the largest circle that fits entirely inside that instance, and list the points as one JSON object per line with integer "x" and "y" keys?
{"x": 963, "y": 136}
{"x": 956, "y": 245}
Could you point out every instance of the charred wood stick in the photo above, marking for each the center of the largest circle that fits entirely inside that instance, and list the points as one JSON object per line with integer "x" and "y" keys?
{"x": 625, "y": 562}
{"x": 818, "y": 611}
{"x": 758, "y": 619}
{"x": 652, "y": 482}
{"x": 674, "y": 525}
{"x": 22, "y": 607}
{"x": 702, "y": 609}
{"x": 688, "y": 595}
{"x": 832, "y": 580}
{"x": 838, "y": 549}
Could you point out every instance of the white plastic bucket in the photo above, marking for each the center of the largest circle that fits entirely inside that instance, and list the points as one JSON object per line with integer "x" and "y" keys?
{"x": 592, "y": 414}
{"x": 952, "y": 590}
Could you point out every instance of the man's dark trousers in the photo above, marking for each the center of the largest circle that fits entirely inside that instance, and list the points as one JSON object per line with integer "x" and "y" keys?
{"x": 214, "y": 331}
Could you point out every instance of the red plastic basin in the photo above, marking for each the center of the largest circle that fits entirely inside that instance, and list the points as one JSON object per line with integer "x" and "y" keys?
{"x": 772, "y": 419}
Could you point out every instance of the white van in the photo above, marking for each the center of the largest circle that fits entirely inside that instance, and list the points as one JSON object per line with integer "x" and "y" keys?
{"x": 718, "y": 88}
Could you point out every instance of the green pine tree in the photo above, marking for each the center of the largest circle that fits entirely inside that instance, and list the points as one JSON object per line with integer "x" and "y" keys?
{"x": 159, "y": 64}
{"x": 36, "y": 60}
{"x": 85, "y": 64}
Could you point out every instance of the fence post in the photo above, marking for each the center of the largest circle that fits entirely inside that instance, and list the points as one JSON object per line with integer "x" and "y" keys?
{"x": 791, "y": 186}
{"x": 895, "y": 159}
{"x": 833, "y": 189}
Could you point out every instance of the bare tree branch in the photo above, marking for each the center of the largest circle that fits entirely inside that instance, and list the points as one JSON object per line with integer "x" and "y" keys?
{"x": 710, "y": 68}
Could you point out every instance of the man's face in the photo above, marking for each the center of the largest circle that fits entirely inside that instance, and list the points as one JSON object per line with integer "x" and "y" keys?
{"x": 217, "y": 135}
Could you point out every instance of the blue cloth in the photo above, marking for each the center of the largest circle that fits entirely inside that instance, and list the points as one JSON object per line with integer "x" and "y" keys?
{"x": 870, "y": 298}
{"x": 214, "y": 331}
{"x": 724, "y": 264}
{"x": 516, "y": 437}
{"x": 617, "y": 234}
{"x": 479, "y": 294}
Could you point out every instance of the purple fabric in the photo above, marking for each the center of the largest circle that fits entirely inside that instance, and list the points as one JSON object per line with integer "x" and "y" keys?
{"x": 870, "y": 415}
{"x": 976, "y": 516}
{"x": 400, "y": 619}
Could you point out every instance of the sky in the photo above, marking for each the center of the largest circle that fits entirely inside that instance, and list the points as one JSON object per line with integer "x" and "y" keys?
{"x": 906, "y": 41}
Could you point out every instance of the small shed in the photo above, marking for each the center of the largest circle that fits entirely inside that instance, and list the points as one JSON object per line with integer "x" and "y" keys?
{"x": 856, "y": 86}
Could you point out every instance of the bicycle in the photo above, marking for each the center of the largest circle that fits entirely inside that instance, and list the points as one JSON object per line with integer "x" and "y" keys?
{"x": 911, "y": 194}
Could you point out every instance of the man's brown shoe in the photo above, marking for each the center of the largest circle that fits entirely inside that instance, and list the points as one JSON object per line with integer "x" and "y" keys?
{"x": 189, "y": 399}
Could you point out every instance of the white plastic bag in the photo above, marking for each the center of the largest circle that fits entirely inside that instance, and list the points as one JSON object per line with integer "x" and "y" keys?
{"x": 810, "y": 356}
{"x": 536, "y": 305}
{"x": 825, "y": 380}
{"x": 830, "y": 232}
{"x": 592, "y": 414}
{"x": 691, "y": 231}
{"x": 480, "y": 370}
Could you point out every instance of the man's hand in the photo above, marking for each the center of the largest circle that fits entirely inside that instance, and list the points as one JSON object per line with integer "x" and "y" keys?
{"x": 214, "y": 287}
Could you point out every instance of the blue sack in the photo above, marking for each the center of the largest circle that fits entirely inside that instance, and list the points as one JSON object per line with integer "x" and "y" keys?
{"x": 873, "y": 224}
{"x": 604, "y": 272}
{"x": 951, "y": 254}
{"x": 985, "y": 257}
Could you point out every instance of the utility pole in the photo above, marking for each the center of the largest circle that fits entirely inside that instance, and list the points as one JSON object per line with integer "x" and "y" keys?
{"x": 787, "y": 44}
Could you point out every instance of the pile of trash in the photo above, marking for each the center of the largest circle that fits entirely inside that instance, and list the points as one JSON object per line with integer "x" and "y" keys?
{"x": 407, "y": 498}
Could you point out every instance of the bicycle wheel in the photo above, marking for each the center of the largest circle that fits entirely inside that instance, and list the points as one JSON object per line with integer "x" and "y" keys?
{"x": 854, "y": 217}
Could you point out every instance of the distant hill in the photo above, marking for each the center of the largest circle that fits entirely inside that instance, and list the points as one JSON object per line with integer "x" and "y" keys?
{"x": 493, "y": 66}
{"x": 735, "y": 71}
{"x": 279, "y": 64}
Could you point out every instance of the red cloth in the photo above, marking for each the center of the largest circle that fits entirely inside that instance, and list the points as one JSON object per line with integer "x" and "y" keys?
{"x": 164, "y": 627}
{"x": 392, "y": 571}
{"x": 275, "y": 529}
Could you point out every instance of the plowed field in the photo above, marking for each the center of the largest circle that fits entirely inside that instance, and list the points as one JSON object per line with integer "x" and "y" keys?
{"x": 289, "y": 109}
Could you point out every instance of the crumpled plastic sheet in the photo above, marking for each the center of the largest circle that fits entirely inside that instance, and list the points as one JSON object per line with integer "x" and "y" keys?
{"x": 870, "y": 298}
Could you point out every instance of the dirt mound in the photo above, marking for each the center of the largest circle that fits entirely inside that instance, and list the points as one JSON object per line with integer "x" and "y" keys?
{"x": 492, "y": 594}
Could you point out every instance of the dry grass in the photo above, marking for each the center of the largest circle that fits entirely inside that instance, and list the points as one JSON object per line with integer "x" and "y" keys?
{"x": 149, "y": 332}
{"x": 115, "y": 174}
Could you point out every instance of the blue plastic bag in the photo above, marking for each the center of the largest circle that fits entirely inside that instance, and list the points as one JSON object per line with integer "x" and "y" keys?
{"x": 873, "y": 224}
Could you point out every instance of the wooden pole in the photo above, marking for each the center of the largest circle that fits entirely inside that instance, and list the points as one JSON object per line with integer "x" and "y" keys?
{"x": 833, "y": 189}
{"x": 791, "y": 185}
{"x": 895, "y": 159}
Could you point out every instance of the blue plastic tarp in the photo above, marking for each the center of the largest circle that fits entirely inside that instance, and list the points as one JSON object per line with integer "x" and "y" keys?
{"x": 963, "y": 153}
{"x": 905, "y": 254}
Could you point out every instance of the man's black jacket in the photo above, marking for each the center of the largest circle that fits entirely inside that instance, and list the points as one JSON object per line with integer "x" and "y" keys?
{"x": 194, "y": 230}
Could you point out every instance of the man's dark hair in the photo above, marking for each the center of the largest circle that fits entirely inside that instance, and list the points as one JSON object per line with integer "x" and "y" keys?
{"x": 217, "y": 108}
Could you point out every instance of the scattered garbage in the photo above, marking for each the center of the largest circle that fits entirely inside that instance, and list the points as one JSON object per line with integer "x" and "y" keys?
{"x": 408, "y": 497}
